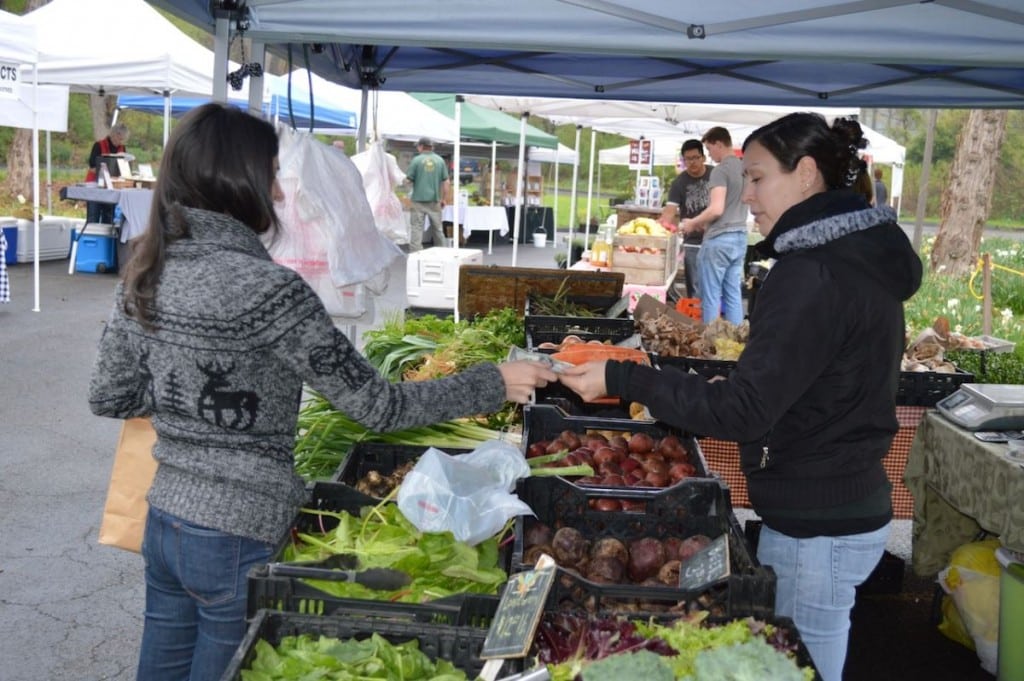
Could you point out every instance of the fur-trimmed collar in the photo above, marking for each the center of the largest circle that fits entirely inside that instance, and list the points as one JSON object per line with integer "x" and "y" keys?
{"x": 820, "y": 232}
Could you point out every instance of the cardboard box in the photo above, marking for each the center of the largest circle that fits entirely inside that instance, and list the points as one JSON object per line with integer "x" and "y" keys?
{"x": 645, "y": 260}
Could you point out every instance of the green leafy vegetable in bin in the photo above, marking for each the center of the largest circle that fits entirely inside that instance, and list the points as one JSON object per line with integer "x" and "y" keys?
{"x": 383, "y": 537}
{"x": 331, "y": 659}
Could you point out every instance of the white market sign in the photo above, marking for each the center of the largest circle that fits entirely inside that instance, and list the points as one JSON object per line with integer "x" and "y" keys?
{"x": 9, "y": 85}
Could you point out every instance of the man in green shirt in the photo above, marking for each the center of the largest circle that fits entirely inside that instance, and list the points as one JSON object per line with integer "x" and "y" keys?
{"x": 429, "y": 177}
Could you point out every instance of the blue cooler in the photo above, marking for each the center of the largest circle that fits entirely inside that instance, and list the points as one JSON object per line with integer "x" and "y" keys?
{"x": 97, "y": 250}
{"x": 10, "y": 229}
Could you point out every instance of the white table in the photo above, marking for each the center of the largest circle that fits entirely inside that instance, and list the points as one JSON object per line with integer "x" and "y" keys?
{"x": 480, "y": 218}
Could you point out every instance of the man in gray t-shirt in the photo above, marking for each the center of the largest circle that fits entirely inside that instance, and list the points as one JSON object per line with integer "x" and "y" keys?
{"x": 724, "y": 223}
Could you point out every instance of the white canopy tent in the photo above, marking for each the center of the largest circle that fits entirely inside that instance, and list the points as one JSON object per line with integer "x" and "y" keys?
{"x": 18, "y": 50}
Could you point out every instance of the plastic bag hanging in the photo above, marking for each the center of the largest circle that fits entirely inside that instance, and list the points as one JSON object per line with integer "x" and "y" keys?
{"x": 327, "y": 231}
{"x": 381, "y": 175}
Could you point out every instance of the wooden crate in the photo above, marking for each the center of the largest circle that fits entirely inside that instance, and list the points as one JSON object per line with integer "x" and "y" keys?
{"x": 485, "y": 288}
{"x": 646, "y": 269}
{"x": 626, "y": 212}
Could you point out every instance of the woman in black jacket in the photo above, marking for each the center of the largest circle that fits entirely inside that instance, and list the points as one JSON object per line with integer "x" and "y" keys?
{"x": 812, "y": 399}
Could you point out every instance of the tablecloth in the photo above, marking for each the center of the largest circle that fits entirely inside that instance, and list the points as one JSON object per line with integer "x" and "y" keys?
{"x": 135, "y": 204}
{"x": 961, "y": 486}
{"x": 479, "y": 218}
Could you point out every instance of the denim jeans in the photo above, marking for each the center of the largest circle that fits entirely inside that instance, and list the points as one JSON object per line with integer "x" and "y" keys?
{"x": 720, "y": 263}
{"x": 195, "y": 598}
{"x": 690, "y": 270}
{"x": 816, "y": 587}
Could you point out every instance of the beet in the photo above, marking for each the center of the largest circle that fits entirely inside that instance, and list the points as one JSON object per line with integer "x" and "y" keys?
{"x": 669, "y": 573}
{"x": 570, "y": 547}
{"x": 692, "y": 545}
{"x": 571, "y": 439}
{"x": 605, "y": 570}
{"x": 641, "y": 443}
{"x": 619, "y": 441}
{"x": 538, "y": 533}
{"x": 610, "y": 547}
{"x": 646, "y": 556}
{"x": 533, "y": 554}
{"x": 672, "y": 545}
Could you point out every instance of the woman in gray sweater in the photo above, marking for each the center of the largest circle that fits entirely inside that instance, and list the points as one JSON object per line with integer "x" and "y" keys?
{"x": 214, "y": 341}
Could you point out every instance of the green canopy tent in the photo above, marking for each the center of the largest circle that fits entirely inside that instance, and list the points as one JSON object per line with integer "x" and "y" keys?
{"x": 487, "y": 125}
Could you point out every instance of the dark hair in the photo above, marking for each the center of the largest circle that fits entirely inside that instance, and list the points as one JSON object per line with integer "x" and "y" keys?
{"x": 717, "y": 134}
{"x": 692, "y": 144}
{"x": 878, "y": 173}
{"x": 219, "y": 159}
{"x": 834, "y": 149}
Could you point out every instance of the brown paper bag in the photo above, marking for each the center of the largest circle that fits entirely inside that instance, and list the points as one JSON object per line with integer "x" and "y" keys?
{"x": 124, "y": 515}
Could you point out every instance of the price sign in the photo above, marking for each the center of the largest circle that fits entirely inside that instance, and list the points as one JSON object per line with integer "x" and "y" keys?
{"x": 518, "y": 614}
{"x": 641, "y": 154}
{"x": 707, "y": 566}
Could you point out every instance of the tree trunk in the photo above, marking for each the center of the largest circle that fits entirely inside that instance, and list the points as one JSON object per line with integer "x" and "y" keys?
{"x": 968, "y": 198}
{"x": 19, "y": 155}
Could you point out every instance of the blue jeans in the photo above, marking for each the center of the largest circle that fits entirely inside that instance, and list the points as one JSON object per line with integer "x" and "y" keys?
{"x": 720, "y": 263}
{"x": 816, "y": 587}
{"x": 195, "y": 598}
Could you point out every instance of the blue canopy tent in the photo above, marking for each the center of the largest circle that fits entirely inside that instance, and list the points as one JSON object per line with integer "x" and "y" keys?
{"x": 877, "y": 53}
{"x": 329, "y": 117}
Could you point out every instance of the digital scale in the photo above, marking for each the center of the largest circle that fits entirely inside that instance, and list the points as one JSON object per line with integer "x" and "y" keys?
{"x": 984, "y": 406}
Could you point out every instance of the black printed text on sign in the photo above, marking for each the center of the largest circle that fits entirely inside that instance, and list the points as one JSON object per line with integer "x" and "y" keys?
{"x": 518, "y": 614}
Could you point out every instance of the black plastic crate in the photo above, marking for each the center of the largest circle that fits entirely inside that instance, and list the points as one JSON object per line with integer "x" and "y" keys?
{"x": 553, "y": 329}
{"x": 926, "y": 388}
{"x": 684, "y": 510}
{"x": 460, "y": 645}
{"x": 545, "y": 421}
{"x": 383, "y": 458}
{"x": 269, "y": 592}
{"x": 708, "y": 368}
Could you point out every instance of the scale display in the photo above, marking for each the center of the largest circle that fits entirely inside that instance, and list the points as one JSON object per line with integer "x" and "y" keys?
{"x": 983, "y": 406}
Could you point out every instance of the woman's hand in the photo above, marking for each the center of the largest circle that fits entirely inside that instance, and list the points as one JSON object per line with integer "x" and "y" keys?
{"x": 523, "y": 377}
{"x": 586, "y": 380}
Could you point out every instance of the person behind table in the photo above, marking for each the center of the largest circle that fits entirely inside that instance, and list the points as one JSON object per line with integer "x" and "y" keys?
{"x": 881, "y": 191}
{"x": 687, "y": 198}
{"x": 724, "y": 224}
{"x": 113, "y": 143}
{"x": 214, "y": 341}
{"x": 429, "y": 177}
{"x": 812, "y": 398}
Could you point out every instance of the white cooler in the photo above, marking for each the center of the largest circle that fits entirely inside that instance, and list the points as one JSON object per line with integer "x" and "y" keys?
{"x": 54, "y": 237}
{"x": 432, "y": 275}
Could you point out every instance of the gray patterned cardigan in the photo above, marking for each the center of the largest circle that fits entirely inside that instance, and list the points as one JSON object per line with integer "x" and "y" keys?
{"x": 221, "y": 376}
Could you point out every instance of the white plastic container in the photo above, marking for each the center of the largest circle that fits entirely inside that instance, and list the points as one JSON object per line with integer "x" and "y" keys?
{"x": 432, "y": 275}
{"x": 54, "y": 237}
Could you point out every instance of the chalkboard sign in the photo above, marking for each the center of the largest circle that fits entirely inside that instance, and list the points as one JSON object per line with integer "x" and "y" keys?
{"x": 708, "y": 565}
{"x": 518, "y": 614}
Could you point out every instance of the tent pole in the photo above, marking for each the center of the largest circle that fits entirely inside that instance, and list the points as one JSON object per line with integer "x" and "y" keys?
{"x": 35, "y": 186}
{"x": 167, "y": 116}
{"x": 494, "y": 164}
{"x": 221, "y": 36}
{"x": 554, "y": 209}
{"x": 572, "y": 200}
{"x": 363, "y": 105}
{"x": 456, "y": 183}
{"x": 49, "y": 176}
{"x": 590, "y": 180}
{"x": 259, "y": 55}
{"x": 520, "y": 173}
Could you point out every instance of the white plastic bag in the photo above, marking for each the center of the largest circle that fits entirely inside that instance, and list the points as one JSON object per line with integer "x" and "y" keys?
{"x": 381, "y": 175}
{"x": 468, "y": 495}
{"x": 327, "y": 230}
{"x": 976, "y": 596}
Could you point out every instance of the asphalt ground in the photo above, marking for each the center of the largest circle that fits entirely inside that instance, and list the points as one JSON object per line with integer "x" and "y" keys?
{"x": 72, "y": 609}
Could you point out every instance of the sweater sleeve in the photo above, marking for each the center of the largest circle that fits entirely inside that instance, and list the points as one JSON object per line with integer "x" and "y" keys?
{"x": 119, "y": 384}
{"x": 328, "y": 362}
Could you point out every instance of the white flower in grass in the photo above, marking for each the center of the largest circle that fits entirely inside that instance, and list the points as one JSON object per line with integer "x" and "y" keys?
{"x": 977, "y": 308}
{"x": 1007, "y": 314}
{"x": 952, "y": 303}
{"x": 959, "y": 328}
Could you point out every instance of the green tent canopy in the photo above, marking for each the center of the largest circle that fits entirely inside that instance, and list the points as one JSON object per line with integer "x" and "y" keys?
{"x": 486, "y": 125}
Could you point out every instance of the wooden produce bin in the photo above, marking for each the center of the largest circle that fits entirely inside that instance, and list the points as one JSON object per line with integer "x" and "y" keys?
{"x": 645, "y": 260}
{"x": 485, "y": 288}
{"x": 625, "y": 212}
